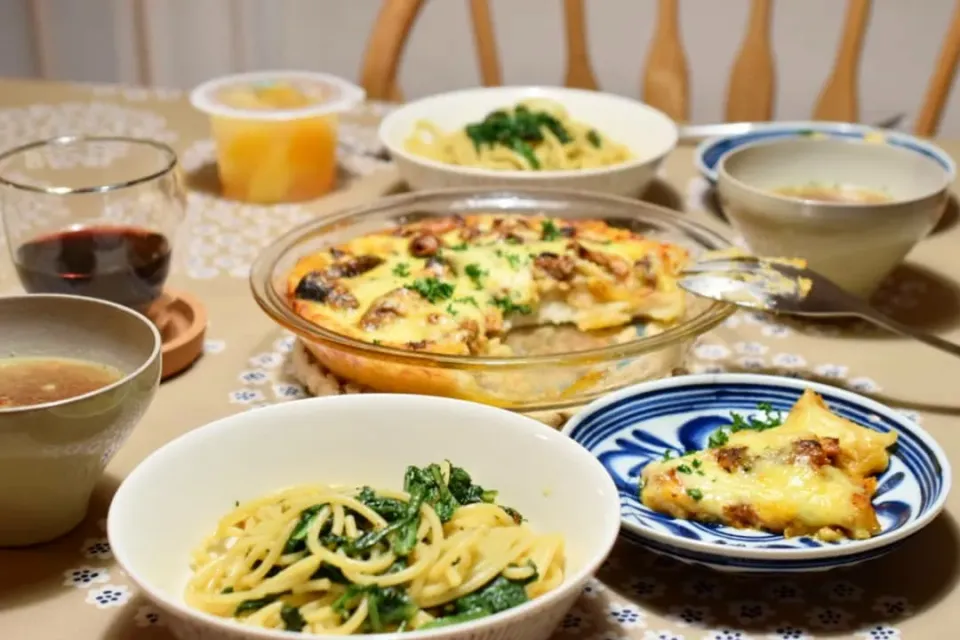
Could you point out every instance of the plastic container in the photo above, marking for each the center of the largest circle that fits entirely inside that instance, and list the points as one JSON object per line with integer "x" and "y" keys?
{"x": 276, "y": 132}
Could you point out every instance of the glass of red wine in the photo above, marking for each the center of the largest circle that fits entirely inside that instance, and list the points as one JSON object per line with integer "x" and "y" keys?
{"x": 92, "y": 216}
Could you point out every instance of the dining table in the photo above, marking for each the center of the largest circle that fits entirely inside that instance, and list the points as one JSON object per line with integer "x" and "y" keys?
{"x": 72, "y": 588}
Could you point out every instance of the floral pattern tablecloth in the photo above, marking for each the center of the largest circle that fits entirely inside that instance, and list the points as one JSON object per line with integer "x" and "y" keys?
{"x": 72, "y": 588}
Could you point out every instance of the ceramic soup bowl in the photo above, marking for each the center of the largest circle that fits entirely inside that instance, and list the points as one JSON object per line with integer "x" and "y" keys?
{"x": 52, "y": 454}
{"x": 854, "y": 208}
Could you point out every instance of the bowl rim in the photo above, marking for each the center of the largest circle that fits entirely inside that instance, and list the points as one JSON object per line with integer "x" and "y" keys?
{"x": 367, "y": 402}
{"x": 263, "y": 271}
{"x": 796, "y": 128}
{"x": 838, "y": 551}
{"x": 546, "y": 91}
{"x": 70, "y": 299}
{"x": 893, "y": 207}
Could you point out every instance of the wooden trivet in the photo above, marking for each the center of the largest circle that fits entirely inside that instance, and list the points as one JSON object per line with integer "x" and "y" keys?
{"x": 182, "y": 321}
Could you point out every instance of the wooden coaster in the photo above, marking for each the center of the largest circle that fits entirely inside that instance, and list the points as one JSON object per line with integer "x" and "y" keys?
{"x": 182, "y": 322}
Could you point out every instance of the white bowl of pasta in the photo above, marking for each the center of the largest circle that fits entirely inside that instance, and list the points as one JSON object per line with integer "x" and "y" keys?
{"x": 529, "y": 136}
{"x": 399, "y": 515}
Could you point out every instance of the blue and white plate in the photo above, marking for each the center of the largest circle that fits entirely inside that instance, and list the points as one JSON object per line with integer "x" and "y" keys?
{"x": 708, "y": 153}
{"x": 635, "y": 426}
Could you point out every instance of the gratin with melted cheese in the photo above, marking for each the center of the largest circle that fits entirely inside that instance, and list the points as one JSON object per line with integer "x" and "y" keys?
{"x": 812, "y": 475}
{"x": 457, "y": 285}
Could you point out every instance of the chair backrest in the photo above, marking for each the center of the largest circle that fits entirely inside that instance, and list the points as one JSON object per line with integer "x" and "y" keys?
{"x": 665, "y": 81}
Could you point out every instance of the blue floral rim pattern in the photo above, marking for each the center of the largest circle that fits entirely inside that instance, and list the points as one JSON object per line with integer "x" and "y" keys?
{"x": 709, "y": 152}
{"x": 638, "y": 425}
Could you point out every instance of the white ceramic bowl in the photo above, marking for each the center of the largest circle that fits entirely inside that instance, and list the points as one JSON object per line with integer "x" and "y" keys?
{"x": 857, "y": 244}
{"x": 649, "y": 134}
{"x": 175, "y": 497}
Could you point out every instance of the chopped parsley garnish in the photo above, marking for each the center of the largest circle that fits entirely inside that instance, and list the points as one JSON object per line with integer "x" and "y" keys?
{"x": 513, "y": 240}
{"x": 684, "y": 469}
{"x": 459, "y": 247}
{"x": 550, "y": 231}
{"x": 696, "y": 494}
{"x": 509, "y": 306}
{"x": 593, "y": 138}
{"x": 467, "y": 300}
{"x": 771, "y": 418}
{"x": 451, "y": 310}
{"x": 668, "y": 454}
{"x": 696, "y": 463}
{"x": 431, "y": 289}
{"x": 476, "y": 274}
{"x": 513, "y": 260}
{"x": 401, "y": 270}
{"x": 376, "y": 341}
{"x": 718, "y": 438}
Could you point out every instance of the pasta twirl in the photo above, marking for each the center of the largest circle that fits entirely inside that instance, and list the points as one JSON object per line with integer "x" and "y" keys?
{"x": 346, "y": 561}
{"x": 533, "y": 135}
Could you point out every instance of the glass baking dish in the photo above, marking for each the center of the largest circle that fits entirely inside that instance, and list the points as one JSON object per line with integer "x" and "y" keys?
{"x": 528, "y": 382}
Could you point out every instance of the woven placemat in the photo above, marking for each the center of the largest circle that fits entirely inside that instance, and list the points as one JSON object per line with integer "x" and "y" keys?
{"x": 303, "y": 367}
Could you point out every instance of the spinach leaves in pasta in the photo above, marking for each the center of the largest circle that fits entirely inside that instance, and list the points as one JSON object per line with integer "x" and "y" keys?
{"x": 499, "y": 595}
{"x": 519, "y": 129}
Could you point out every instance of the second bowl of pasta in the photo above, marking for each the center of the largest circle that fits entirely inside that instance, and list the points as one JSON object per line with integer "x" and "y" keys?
{"x": 410, "y": 516}
{"x": 529, "y": 136}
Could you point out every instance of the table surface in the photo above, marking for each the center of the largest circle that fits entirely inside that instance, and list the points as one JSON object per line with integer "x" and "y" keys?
{"x": 72, "y": 588}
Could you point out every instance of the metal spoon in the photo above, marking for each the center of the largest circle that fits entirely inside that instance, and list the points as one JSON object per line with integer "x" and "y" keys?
{"x": 779, "y": 287}
{"x": 696, "y": 133}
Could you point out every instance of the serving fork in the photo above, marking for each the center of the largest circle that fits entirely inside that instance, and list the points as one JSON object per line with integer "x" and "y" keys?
{"x": 785, "y": 287}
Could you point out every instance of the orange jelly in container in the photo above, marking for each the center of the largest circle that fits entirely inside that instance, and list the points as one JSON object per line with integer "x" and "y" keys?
{"x": 276, "y": 132}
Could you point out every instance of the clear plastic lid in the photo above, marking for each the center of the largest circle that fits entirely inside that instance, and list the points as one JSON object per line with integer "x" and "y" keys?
{"x": 276, "y": 95}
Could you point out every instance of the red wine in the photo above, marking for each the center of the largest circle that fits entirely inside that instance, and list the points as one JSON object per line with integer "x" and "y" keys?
{"x": 125, "y": 265}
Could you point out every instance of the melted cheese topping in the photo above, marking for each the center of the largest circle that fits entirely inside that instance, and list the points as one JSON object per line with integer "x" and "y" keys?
{"x": 813, "y": 475}
{"x": 456, "y": 285}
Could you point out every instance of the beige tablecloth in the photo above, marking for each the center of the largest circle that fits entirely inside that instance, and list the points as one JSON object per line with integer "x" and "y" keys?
{"x": 72, "y": 589}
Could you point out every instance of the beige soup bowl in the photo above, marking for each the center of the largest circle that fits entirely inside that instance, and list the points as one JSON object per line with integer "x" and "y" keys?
{"x": 856, "y": 244}
{"x": 51, "y": 455}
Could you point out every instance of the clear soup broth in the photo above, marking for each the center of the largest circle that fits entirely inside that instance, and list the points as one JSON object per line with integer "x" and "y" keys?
{"x": 31, "y": 381}
{"x": 839, "y": 194}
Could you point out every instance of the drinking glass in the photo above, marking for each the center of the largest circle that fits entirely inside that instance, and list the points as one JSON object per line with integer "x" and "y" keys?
{"x": 92, "y": 216}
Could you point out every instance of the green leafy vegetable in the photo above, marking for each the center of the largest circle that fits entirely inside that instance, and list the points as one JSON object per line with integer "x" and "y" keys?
{"x": 771, "y": 418}
{"x": 249, "y": 606}
{"x": 594, "y": 138}
{"x": 696, "y": 494}
{"x": 519, "y": 130}
{"x": 292, "y": 620}
{"x": 462, "y": 487}
{"x": 476, "y": 274}
{"x": 507, "y": 305}
{"x": 718, "y": 438}
{"x": 549, "y": 230}
{"x": 431, "y": 289}
{"x": 385, "y": 605}
{"x": 467, "y": 300}
{"x": 401, "y": 532}
{"x": 429, "y": 481}
{"x": 498, "y": 595}
{"x": 297, "y": 540}
{"x": 402, "y": 270}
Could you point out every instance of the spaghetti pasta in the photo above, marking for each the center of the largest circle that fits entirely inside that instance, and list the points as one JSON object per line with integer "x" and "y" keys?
{"x": 533, "y": 135}
{"x": 346, "y": 561}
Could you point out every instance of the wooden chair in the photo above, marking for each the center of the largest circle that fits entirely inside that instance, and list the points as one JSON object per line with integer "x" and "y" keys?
{"x": 750, "y": 93}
